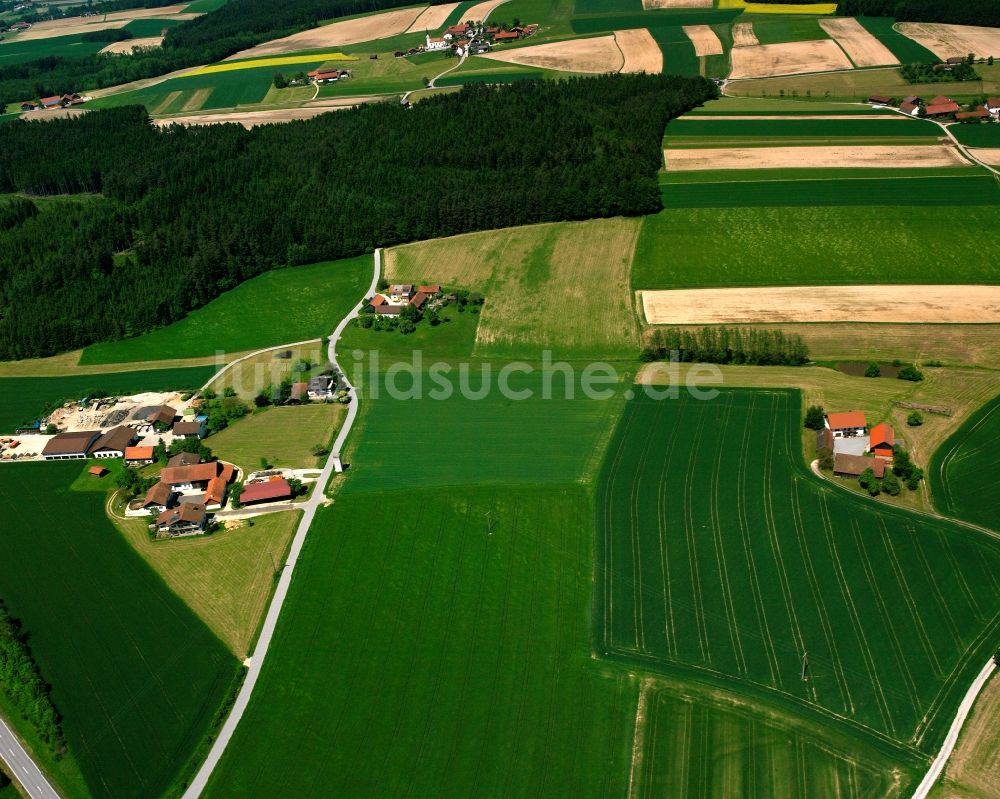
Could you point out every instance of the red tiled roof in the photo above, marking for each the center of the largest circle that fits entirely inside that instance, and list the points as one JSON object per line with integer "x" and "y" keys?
{"x": 198, "y": 473}
{"x": 940, "y": 100}
{"x": 432, "y": 288}
{"x": 159, "y": 494}
{"x": 272, "y": 489}
{"x": 842, "y": 421}
{"x": 138, "y": 453}
{"x": 993, "y": 102}
{"x": 979, "y": 113}
{"x": 97, "y": 471}
{"x": 228, "y": 470}
{"x": 215, "y": 491}
{"x": 879, "y": 468}
{"x": 943, "y": 108}
{"x": 505, "y": 35}
{"x": 378, "y": 300}
{"x": 882, "y": 435}
{"x": 418, "y": 300}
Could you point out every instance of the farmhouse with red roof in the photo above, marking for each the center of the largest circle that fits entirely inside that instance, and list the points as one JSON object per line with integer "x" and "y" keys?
{"x": 882, "y": 440}
{"x": 848, "y": 423}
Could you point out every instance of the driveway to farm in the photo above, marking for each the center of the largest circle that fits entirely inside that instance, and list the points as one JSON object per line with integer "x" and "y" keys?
{"x": 309, "y": 507}
{"x": 22, "y": 767}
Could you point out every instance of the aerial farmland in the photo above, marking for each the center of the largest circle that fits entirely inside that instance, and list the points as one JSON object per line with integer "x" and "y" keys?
{"x": 527, "y": 398}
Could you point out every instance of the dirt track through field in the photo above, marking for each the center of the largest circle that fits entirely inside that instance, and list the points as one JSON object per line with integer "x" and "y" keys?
{"x": 251, "y": 119}
{"x": 640, "y": 50}
{"x": 948, "y": 41}
{"x": 899, "y": 304}
{"x": 704, "y": 40}
{"x": 694, "y": 159}
{"x": 75, "y": 25}
{"x": 432, "y": 18}
{"x": 597, "y": 55}
{"x": 790, "y": 58}
{"x": 863, "y": 48}
{"x": 131, "y": 44}
{"x": 652, "y": 5}
{"x": 351, "y": 31}
{"x": 743, "y": 35}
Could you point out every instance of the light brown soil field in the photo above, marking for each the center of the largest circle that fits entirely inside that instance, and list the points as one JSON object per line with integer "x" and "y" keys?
{"x": 948, "y": 41}
{"x": 351, "y": 31}
{"x": 743, "y": 35}
{"x": 652, "y": 5}
{"x": 640, "y": 50}
{"x": 196, "y": 100}
{"x": 481, "y": 11}
{"x": 133, "y": 44}
{"x": 53, "y": 113}
{"x": 432, "y": 18}
{"x": 74, "y": 25}
{"x": 597, "y": 55}
{"x": 694, "y": 159}
{"x": 704, "y": 40}
{"x": 789, "y": 58}
{"x": 988, "y": 155}
{"x": 973, "y": 770}
{"x": 251, "y": 119}
{"x": 918, "y": 304}
{"x": 863, "y": 48}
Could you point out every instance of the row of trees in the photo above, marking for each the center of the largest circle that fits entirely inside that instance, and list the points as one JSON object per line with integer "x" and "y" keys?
{"x": 187, "y": 213}
{"x": 726, "y": 345}
{"x": 934, "y": 73}
{"x": 21, "y": 682}
{"x": 967, "y": 12}
{"x": 234, "y": 26}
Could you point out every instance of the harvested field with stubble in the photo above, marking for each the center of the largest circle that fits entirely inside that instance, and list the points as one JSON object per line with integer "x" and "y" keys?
{"x": 789, "y": 58}
{"x": 873, "y": 157}
{"x": 251, "y": 119}
{"x": 704, "y": 39}
{"x": 640, "y": 50}
{"x": 917, "y": 304}
{"x": 76, "y": 25}
{"x": 350, "y": 31}
{"x": 948, "y": 41}
{"x": 432, "y": 18}
{"x": 743, "y": 35}
{"x": 518, "y": 268}
{"x": 596, "y": 55}
{"x": 133, "y": 44}
{"x": 863, "y": 48}
{"x": 481, "y": 11}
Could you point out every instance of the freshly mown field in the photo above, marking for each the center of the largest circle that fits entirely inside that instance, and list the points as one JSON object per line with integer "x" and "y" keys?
{"x": 972, "y": 188}
{"x": 964, "y": 470}
{"x": 560, "y": 287}
{"x": 693, "y": 247}
{"x": 284, "y": 305}
{"x": 696, "y": 745}
{"x": 137, "y": 676}
{"x": 226, "y": 578}
{"x": 733, "y": 568}
{"x": 26, "y": 397}
{"x": 284, "y": 436}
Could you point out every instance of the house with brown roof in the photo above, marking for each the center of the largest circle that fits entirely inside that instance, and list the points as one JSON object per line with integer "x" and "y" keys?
{"x": 911, "y": 109}
{"x": 977, "y": 115}
{"x": 419, "y": 300}
{"x": 381, "y": 305}
{"x": 114, "y": 443}
{"x": 882, "y": 441}
{"x": 993, "y": 105}
{"x": 880, "y": 100}
{"x": 942, "y": 106}
{"x": 848, "y": 423}
{"x": 266, "y": 491}
{"x": 845, "y": 465}
{"x": 184, "y": 459}
{"x": 507, "y": 36}
{"x": 400, "y": 292}
{"x": 227, "y": 472}
{"x": 184, "y": 430}
{"x": 70, "y": 446}
{"x": 138, "y": 456}
{"x": 188, "y": 478}
{"x": 162, "y": 418}
{"x": 159, "y": 498}
{"x": 430, "y": 290}
{"x": 188, "y": 518}
{"x": 97, "y": 471}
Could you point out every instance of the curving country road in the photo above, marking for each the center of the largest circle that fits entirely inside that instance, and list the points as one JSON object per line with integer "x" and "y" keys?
{"x": 22, "y": 767}
{"x": 256, "y": 661}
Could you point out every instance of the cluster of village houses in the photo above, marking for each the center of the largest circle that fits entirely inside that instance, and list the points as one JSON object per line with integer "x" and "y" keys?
{"x": 471, "y": 38}
{"x": 856, "y": 448}
{"x": 396, "y": 297}
{"x": 940, "y": 107}
{"x": 54, "y": 102}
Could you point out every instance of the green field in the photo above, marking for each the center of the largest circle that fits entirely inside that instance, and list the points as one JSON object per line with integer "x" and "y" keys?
{"x": 977, "y": 135}
{"x": 280, "y": 306}
{"x": 72, "y": 46}
{"x": 964, "y": 470}
{"x": 779, "y": 28}
{"x": 903, "y": 47}
{"x": 135, "y": 674}
{"x": 26, "y": 397}
{"x": 748, "y": 132}
{"x": 814, "y": 246}
{"x": 149, "y": 27}
{"x": 284, "y": 436}
{"x": 721, "y": 556}
{"x": 971, "y": 189}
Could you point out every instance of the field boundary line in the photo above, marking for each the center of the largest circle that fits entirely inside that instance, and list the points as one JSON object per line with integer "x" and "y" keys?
{"x": 309, "y": 508}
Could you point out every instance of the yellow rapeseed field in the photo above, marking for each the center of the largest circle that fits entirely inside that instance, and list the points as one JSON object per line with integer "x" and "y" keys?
{"x": 275, "y": 61}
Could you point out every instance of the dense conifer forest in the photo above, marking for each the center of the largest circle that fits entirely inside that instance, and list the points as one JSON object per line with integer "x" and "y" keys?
{"x": 966, "y": 12}
{"x": 235, "y": 26}
{"x": 184, "y": 214}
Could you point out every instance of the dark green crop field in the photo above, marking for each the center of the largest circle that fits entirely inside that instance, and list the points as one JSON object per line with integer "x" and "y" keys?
{"x": 903, "y": 47}
{"x": 977, "y": 135}
{"x": 277, "y": 307}
{"x": 71, "y": 46}
{"x": 800, "y": 246}
{"x": 720, "y": 555}
{"x": 694, "y": 127}
{"x": 26, "y": 397}
{"x": 135, "y": 674}
{"x": 972, "y": 189}
{"x": 964, "y": 470}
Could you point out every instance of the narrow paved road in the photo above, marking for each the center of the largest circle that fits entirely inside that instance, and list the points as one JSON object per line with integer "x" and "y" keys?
{"x": 22, "y": 767}
{"x": 309, "y": 507}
